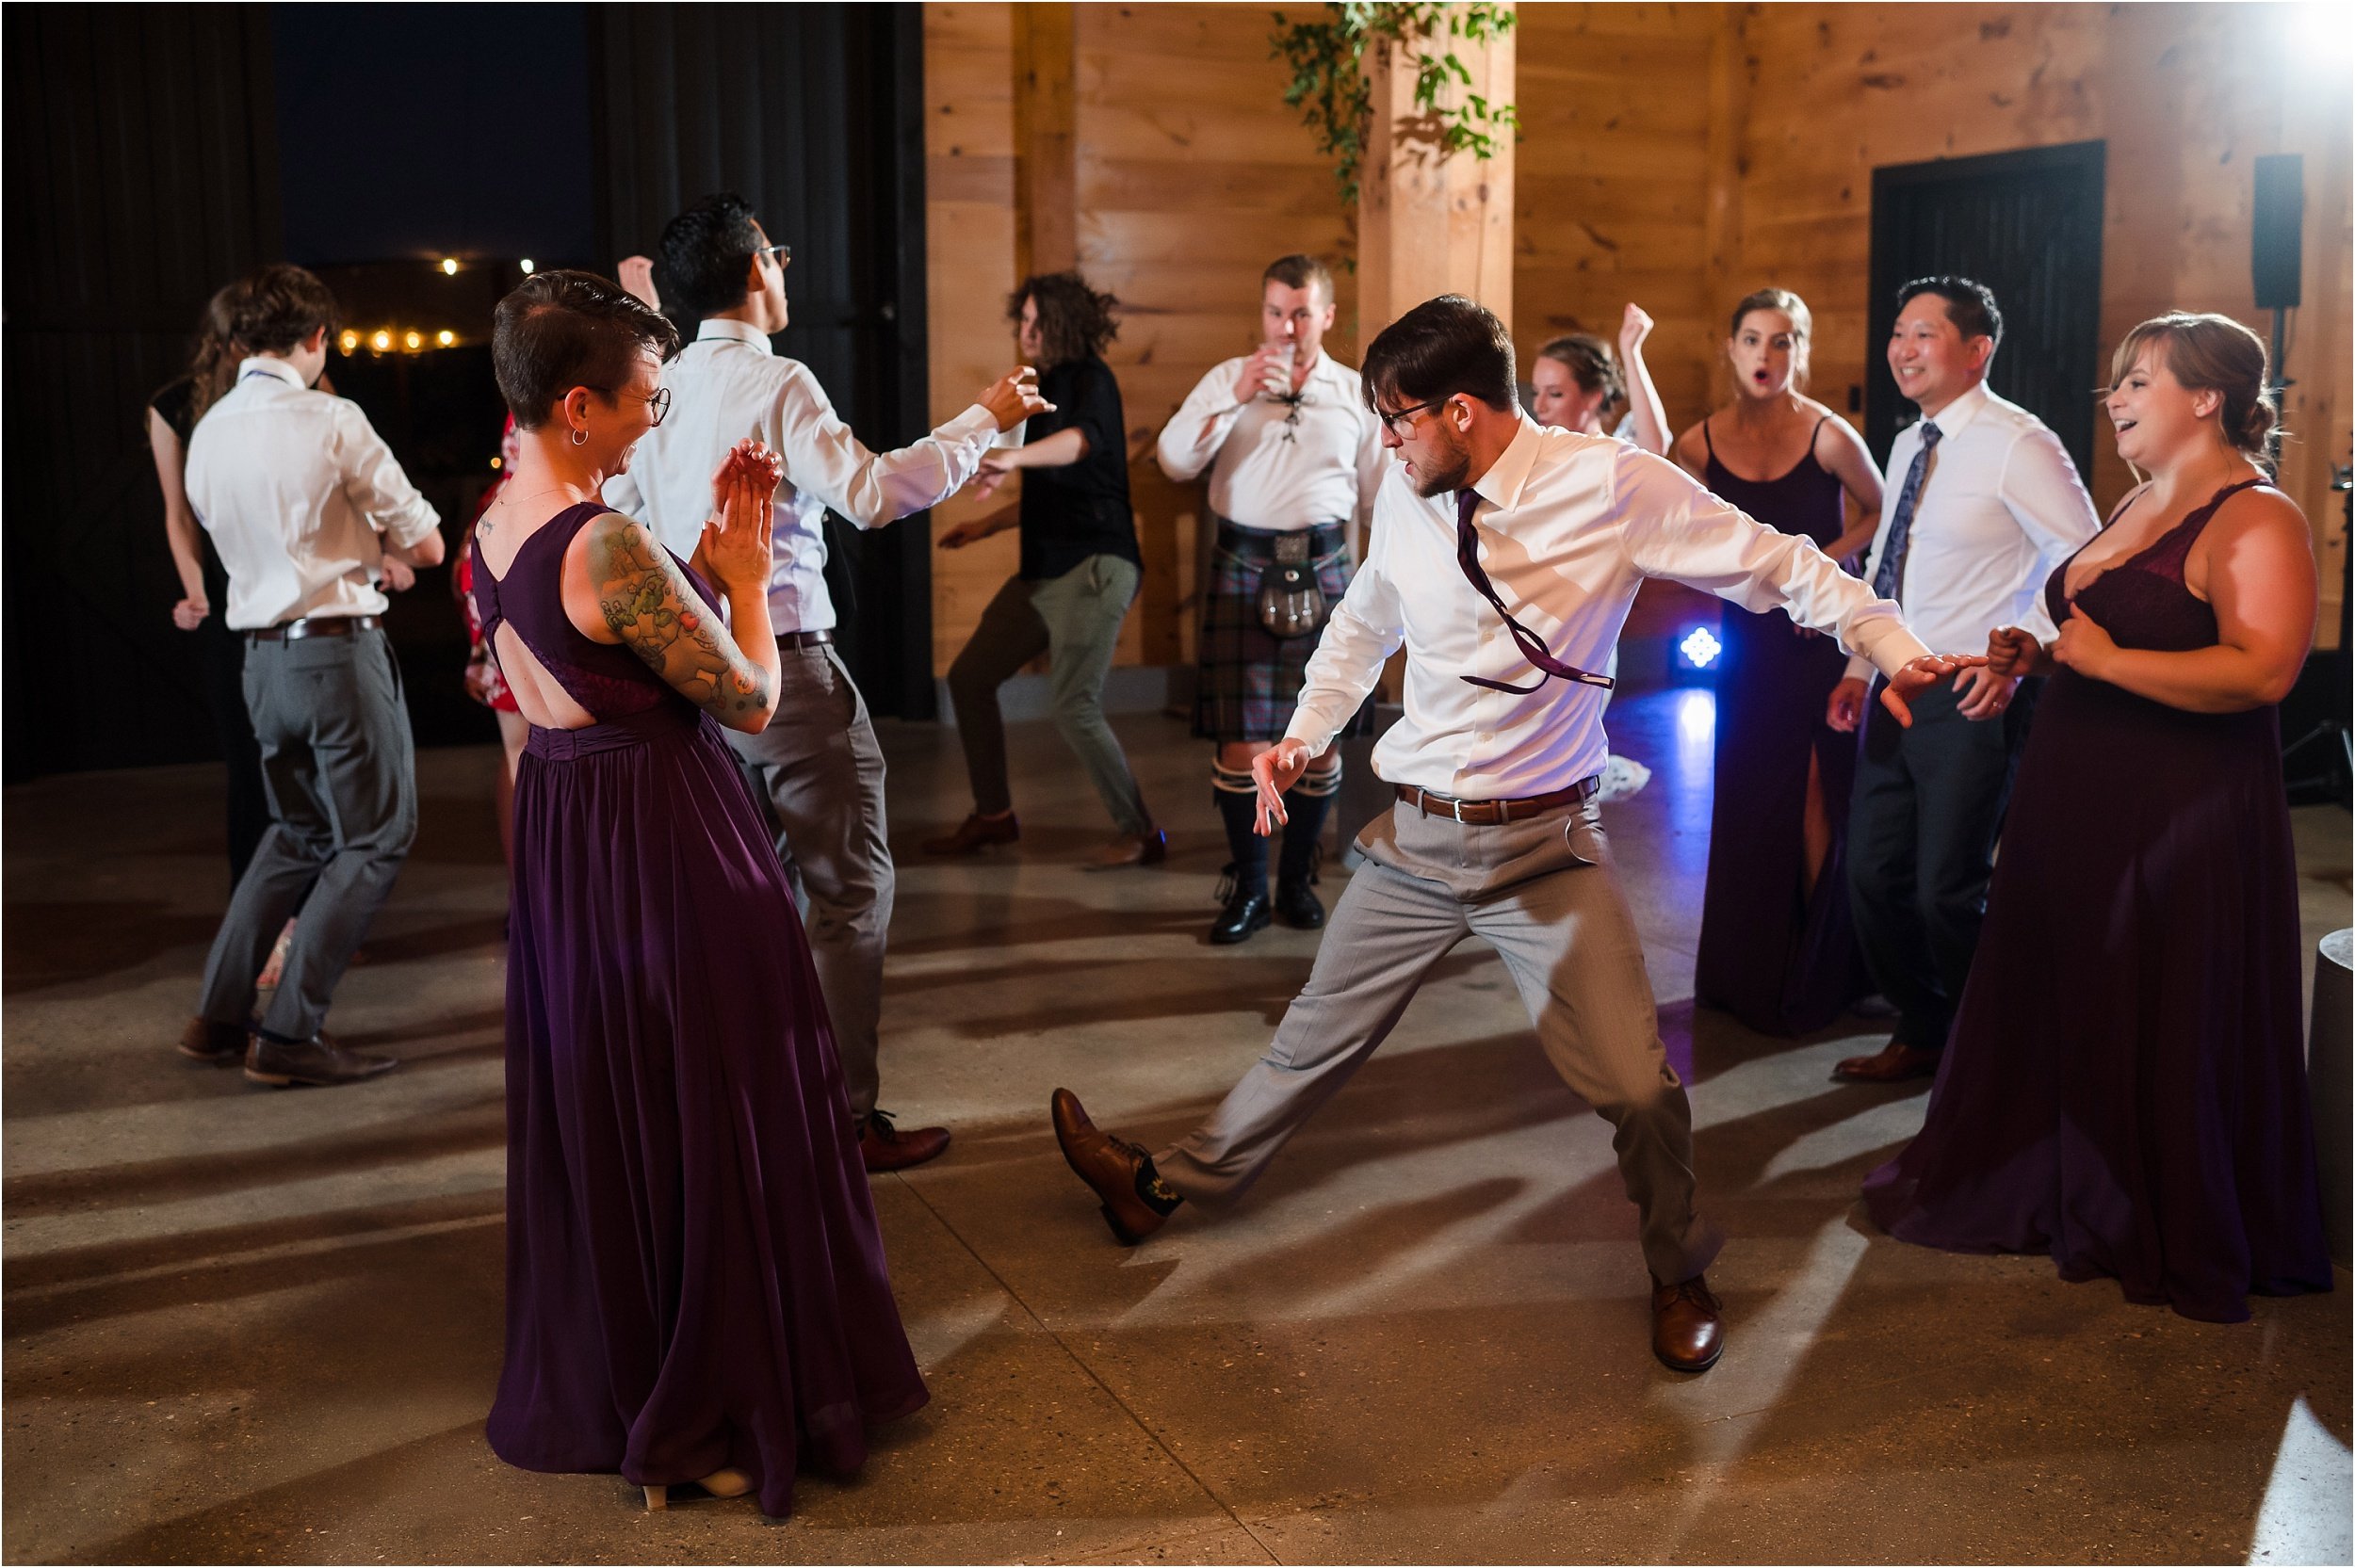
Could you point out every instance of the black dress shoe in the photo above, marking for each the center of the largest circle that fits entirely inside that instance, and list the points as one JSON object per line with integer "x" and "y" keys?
{"x": 1246, "y": 910}
{"x": 1297, "y": 904}
{"x": 318, "y": 1061}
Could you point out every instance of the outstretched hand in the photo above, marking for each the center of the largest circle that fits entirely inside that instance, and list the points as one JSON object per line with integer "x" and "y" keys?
{"x": 1014, "y": 397}
{"x": 1919, "y": 675}
{"x": 1275, "y": 771}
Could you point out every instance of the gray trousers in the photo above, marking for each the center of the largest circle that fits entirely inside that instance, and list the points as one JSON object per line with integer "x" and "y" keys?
{"x": 1542, "y": 892}
{"x": 818, "y": 775}
{"x": 341, "y": 773}
{"x": 1075, "y": 621}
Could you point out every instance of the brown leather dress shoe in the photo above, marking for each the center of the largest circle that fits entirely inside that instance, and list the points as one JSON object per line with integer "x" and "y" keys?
{"x": 884, "y": 1147}
{"x": 214, "y": 1044}
{"x": 1892, "y": 1063}
{"x": 1149, "y": 848}
{"x": 317, "y": 1062}
{"x": 974, "y": 833}
{"x": 1136, "y": 1200}
{"x": 1688, "y": 1332}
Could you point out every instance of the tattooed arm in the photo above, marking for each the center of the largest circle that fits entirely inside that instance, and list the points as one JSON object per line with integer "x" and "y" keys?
{"x": 653, "y": 609}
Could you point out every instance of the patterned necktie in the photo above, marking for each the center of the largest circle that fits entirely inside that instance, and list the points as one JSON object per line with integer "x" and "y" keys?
{"x": 1533, "y": 647}
{"x": 1891, "y": 575}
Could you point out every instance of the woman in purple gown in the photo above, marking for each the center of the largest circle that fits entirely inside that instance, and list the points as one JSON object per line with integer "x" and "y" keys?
{"x": 696, "y": 1289}
{"x": 1776, "y": 950}
{"x": 2126, "y": 1082}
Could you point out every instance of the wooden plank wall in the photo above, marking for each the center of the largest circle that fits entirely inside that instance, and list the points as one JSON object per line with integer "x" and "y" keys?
{"x": 1188, "y": 176}
{"x": 1681, "y": 155}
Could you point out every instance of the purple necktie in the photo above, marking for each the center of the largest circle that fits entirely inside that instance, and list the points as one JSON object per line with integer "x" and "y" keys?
{"x": 1533, "y": 647}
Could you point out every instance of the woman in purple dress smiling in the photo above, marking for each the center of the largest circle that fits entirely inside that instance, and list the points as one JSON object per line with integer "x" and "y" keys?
{"x": 695, "y": 1282}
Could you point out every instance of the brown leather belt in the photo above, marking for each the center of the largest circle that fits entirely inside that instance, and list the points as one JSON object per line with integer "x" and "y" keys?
{"x": 1487, "y": 814}
{"x": 805, "y": 640}
{"x": 316, "y": 625}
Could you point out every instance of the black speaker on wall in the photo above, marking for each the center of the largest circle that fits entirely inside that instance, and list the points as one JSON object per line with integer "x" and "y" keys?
{"x": 2273, "y": 236}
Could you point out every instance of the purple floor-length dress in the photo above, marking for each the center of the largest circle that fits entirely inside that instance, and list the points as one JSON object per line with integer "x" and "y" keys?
{"x": 2126, "y": 1085}
{"x": 1775, "y": 954}
{"x": 695, "y": 1277}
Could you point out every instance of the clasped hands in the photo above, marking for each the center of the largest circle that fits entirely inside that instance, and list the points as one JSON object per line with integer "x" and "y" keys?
{"x": 734, "y": 550}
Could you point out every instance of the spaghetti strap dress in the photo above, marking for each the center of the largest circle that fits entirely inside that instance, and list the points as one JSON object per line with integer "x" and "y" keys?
{"x": 2125, "y": 1087}
{"x": 695, "y": 1280}
{"x": 1778, "y": 955}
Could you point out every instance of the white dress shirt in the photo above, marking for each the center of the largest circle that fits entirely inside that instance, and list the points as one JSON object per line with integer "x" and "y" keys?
{"x": 2001, "y": 507}
{"x": 729, "y": 383}
{"x": 1569, "y": 528}
{"x": 295, "y": 485}
{"x": 1274, "y": 465}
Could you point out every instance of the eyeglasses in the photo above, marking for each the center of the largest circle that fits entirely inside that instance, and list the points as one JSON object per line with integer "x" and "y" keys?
{"x": 1391, "y": 422}
{"x": 782, "y": 253}
{"x": 658, "y": 405}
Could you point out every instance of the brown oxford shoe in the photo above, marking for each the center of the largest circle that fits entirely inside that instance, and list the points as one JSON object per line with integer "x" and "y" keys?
{"x": 1688, "y": 1332}
{"x": 1892, "y": 1063}
{"x": 1136, "y": 1200}
{"x": 317, "y": 1062}
{"x": 974, "y": 834}
{"x": 884, "y": 1147}
{"x": 1149, "y": 848}
{"x": 214, "y": 1044}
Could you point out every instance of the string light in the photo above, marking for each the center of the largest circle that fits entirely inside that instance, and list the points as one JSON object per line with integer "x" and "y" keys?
{"x": 349, "y": 342}
{"x": 382, "y": 342}
{"x": 527, "y": 266}
{"x": 414, "y": 342}
{"x": 449, "y": 266}
{"x": 446, "y": 337}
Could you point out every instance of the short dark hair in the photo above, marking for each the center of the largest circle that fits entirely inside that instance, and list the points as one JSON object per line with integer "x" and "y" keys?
{"x": 562, "y": 329}
{"x": 1074, "y": 322}
{"x": 1970, "y": 304}
{"x": 1440, "y": 348}
{"x": 279, "y": 307}
{"x": 704, "y": 252}
{"x": 1298, "y": 271}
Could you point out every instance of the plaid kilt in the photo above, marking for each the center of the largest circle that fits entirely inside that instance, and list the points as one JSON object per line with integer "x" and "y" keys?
{"x": 1249, "y": 681}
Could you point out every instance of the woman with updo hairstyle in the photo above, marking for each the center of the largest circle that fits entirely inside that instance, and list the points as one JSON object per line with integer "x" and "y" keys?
{"x": 1778, "y": 950}
{"x": 695, "y": 1284}
{"x": 2126, "y": 1085}
{"x": 1577, "y": 383}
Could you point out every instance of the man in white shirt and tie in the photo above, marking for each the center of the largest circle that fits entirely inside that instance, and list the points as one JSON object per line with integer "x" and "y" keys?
{"x": 1504, "y": 558}
{"x": 1295, "y": 457}
{"x": 305, "y": 504}
{"x": 817, "y": 769}
{"x": 1981, "y": 505}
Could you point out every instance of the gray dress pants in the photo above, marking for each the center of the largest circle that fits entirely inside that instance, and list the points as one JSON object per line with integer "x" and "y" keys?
{"x": 340, "y": 768}
{"x": 818, "y": 775}
{"x": 1542, "y": 892}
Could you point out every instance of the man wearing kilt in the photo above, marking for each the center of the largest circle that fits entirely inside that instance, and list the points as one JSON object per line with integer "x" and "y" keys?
{"x": 1295, "y": 457}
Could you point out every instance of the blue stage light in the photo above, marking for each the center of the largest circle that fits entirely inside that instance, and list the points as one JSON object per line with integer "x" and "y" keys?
{"x": 1699, "y": 649}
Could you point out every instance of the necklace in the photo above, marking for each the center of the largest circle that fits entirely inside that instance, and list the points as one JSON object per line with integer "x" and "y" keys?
{"x": 487, "y": 525}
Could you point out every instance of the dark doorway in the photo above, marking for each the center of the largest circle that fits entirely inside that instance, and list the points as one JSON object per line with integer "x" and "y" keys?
{"x": 2028, "y": 225}
{"x": 814, "y": 115}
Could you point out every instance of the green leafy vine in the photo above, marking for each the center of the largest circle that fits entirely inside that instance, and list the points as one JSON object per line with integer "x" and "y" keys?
{"x": 1330, "y": 90}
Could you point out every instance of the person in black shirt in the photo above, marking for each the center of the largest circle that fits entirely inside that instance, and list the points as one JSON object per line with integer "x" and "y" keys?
{"x": 1078, "y": 576}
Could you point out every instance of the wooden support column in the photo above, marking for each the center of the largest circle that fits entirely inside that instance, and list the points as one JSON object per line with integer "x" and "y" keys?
{"x": 1046, "y": 170}
{"x": 1428, "y": 225}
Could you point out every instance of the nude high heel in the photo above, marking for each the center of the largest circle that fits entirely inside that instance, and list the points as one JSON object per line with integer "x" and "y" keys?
{"x": 720, "y": 1483}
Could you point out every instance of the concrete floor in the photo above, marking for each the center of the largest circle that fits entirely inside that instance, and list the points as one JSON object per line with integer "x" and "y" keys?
{"x": 244, "y": 1325}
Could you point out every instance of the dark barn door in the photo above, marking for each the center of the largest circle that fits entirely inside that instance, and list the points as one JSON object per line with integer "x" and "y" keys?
{"x": 2026, "y": 224}
{"x": 814, "y": 115}
{"x": 141, "y": 169}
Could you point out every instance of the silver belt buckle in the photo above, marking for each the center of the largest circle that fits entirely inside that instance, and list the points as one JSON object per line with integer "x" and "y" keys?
{"x": 1455, "y": 809}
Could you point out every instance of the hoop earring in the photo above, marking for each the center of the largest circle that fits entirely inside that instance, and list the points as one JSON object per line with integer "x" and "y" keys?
{"x": 581, "y": 438}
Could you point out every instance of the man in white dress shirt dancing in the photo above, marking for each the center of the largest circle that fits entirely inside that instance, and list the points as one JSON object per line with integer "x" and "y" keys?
{"x": 817, "y": 770}
{"x": 1504, "y": 558}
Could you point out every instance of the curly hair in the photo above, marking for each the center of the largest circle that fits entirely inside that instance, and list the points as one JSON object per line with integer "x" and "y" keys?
{"x": 566, "y": 328}
{"x": 1074, "y": 322}
{"x": 214, "y": 354}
